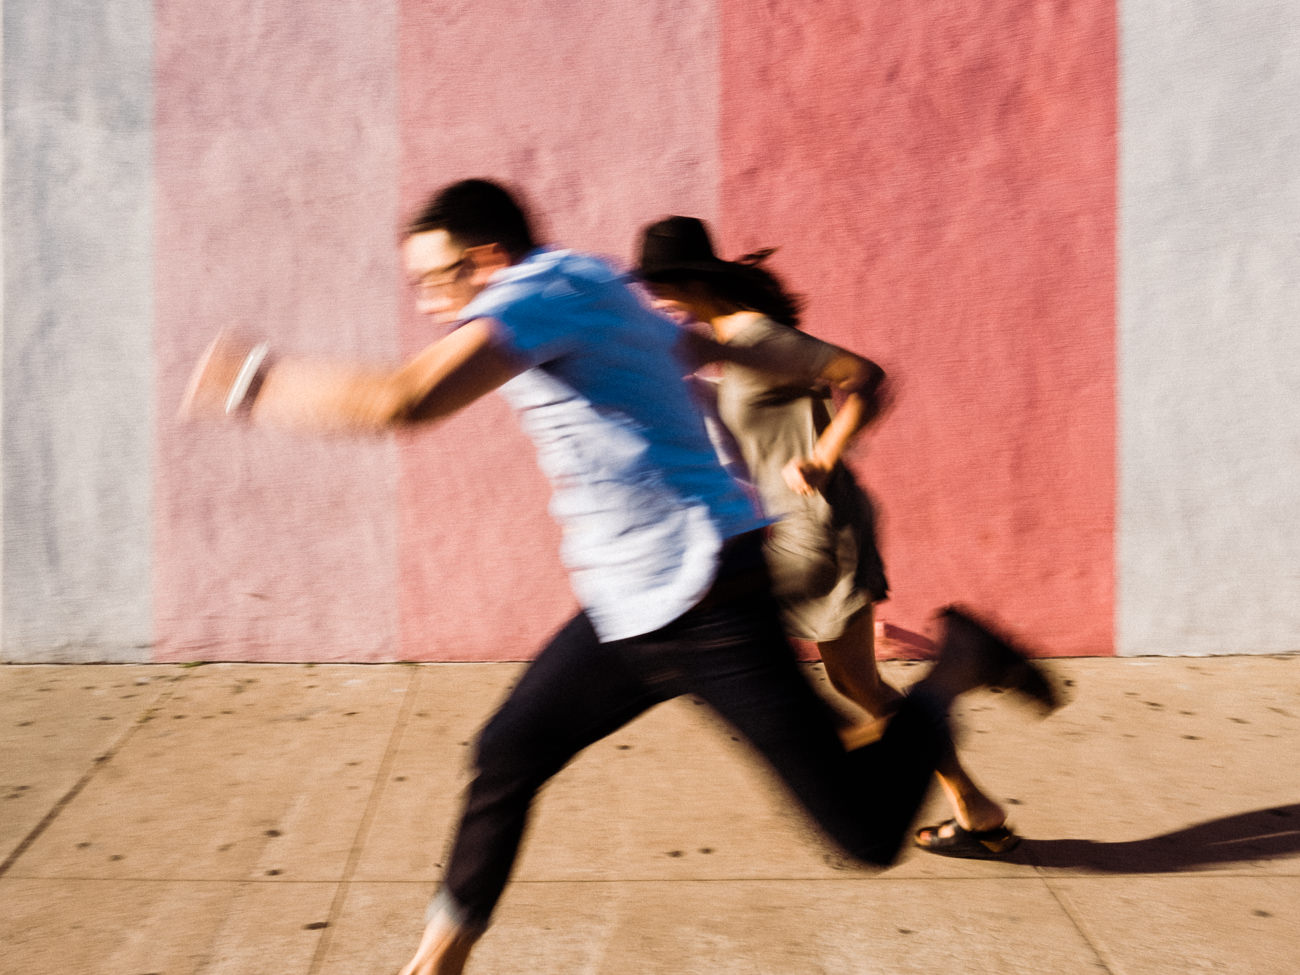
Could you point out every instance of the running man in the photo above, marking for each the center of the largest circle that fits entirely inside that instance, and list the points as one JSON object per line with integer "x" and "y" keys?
{"x": 663, "y": 549}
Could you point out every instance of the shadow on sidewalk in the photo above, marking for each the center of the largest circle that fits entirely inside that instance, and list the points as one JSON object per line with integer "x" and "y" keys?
{"x": 1264, "y": 834}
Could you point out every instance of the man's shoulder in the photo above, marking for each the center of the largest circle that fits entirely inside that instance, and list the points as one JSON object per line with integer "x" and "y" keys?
{"x": 554, "y": 301}
{"x": 563, "y": 260}
{"x": 550, "y": 273}
{"x": 582, "y": 267}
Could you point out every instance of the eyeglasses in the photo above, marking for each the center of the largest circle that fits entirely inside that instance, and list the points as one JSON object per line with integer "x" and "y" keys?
{"x": 440, "y": 277}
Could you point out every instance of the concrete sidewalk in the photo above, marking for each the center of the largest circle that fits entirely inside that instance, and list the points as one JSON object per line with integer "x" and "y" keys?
{"x": 292, "y": 819}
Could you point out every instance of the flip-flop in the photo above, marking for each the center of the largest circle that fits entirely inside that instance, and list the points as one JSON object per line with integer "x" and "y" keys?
{"x": 970, "y": 844}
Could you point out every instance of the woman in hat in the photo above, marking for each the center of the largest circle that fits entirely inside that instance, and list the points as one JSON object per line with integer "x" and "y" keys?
{"x": 826, "y": 570}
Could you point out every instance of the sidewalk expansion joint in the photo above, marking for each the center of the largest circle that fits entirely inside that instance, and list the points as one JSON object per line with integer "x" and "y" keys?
{"x": 1078, "y": 922}
{"x": 98, "y": 763}
{"x": 367, "y": 819}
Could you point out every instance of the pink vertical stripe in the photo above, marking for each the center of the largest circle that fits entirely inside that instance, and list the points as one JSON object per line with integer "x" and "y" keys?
{"x": 602, "y": 117}
{"x": 276, "y": 164}
{"x": 941, "y": 181}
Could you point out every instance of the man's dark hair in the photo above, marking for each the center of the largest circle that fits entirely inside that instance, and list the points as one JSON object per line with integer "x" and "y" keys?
{"x": 476, "y": 212}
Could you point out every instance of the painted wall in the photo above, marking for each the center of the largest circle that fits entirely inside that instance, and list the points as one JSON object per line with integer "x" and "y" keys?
{"x": 277, "y": 162}
{"x": 1209, "y": 502}
{"x": 77, "y": 381}
{"x": 941, "y": 178}
{"x": 1066, "y": 227}
{"x": 600, "y": 113}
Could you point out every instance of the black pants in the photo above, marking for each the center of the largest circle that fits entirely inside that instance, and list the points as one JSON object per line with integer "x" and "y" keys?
{"x": 731, "y": 653}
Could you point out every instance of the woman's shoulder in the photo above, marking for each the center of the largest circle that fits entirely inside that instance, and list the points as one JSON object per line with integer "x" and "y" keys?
{"x": 756, "y": 329}
{"x": 798, "y": 352}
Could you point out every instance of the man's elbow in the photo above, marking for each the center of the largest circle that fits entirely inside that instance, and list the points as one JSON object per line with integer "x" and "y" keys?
{"x": 390, "y": 404}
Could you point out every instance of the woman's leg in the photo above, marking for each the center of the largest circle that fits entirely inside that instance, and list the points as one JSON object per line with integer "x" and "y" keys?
{"x": 851, "y": 666}
{"x": 852, "y": 670}
{"x": 736, "y": 659}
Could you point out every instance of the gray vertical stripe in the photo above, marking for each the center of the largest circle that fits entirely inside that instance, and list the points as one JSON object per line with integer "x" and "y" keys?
{"x": 1209, "y": 327}
{"x": 77, "y": 370}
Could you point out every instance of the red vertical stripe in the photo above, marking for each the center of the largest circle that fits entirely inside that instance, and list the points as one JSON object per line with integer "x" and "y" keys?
{"x": 941, "y": 179}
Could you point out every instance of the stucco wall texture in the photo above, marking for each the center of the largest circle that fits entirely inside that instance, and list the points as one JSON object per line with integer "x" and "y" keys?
{"x": 1066, "y": 226}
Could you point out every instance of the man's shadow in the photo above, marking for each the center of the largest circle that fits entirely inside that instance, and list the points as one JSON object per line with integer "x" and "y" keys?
{"x": 1264, "y": 834}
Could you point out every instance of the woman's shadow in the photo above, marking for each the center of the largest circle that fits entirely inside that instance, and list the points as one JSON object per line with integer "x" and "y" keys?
{"x": 1264, "y": 834}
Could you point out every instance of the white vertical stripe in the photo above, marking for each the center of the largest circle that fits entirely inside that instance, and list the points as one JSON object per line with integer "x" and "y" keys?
{"x": 1209, "y": 327}
{"x": 77, "y": 364}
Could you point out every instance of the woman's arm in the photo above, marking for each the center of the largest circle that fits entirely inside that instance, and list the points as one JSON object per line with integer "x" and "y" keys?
{"x": 864, "y": 387}
{"x": 862, "y": 382}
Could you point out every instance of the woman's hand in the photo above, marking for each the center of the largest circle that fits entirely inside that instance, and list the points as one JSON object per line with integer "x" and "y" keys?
{"x": 806, "y": 475}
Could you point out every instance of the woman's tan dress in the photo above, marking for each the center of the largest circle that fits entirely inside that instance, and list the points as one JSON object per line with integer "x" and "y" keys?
{"x": 822, "y": 552}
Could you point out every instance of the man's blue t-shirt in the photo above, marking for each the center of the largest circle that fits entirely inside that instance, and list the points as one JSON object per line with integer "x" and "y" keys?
{"x": 638, "y": 490}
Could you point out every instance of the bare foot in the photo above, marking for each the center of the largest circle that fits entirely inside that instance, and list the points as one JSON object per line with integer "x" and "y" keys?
{"x": 972, "y": 807}
{"x": 977, "y": 811}
{"x": 863, "y": 733}
{"x": 443, "y": 950}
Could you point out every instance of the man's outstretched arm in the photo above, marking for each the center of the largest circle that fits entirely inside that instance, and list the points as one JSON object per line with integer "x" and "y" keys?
{"x": 233, "y": 379}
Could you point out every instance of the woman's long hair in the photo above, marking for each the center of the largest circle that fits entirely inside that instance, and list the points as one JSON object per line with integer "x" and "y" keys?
{"x": 749, "y": 285}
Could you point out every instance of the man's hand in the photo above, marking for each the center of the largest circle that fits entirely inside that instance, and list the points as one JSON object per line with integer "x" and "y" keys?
{"x": 214, "y": 378}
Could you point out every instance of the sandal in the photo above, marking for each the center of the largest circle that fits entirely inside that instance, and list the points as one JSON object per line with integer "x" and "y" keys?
{"x": 969, "y": 844}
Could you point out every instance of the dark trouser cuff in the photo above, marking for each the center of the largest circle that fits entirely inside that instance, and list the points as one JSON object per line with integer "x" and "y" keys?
{"x": 443, "y": 903}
